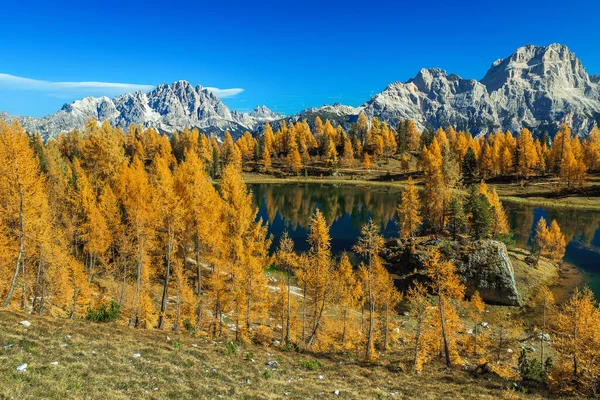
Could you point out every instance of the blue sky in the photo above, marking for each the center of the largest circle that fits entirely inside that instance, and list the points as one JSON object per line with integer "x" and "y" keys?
{"x": 286, "y": 55}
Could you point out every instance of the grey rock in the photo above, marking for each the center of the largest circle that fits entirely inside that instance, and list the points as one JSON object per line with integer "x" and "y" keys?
{"x": 545, "y": 336}
{"x": 488, "y": 270}
{"x": 483, "y": 266}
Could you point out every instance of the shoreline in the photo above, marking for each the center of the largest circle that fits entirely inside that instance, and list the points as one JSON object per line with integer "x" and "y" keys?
{"x": 564, "y": 203}
{"x": 569, "y": 278}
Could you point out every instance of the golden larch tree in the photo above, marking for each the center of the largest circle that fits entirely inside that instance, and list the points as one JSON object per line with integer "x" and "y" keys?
{"x": 369, "y": 245}
{"x": 445, "y": 285}
{"x": 408, "y": 210}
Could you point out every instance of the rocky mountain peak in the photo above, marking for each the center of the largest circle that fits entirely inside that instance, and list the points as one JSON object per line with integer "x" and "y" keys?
{"x": 537, "y": 87}
{"x": 166, "y": 108}
{"x": 263, "y": 113}
{"x": 550, "y": 66}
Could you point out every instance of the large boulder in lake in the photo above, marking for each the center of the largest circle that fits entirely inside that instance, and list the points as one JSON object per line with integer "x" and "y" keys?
{"x": 482, "y": 265}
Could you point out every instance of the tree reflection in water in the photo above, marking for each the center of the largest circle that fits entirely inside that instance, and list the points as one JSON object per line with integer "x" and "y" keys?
{"x": 347, "y": 208}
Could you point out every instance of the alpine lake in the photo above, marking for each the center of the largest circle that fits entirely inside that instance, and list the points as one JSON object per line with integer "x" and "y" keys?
{"x": 289, "y": 207}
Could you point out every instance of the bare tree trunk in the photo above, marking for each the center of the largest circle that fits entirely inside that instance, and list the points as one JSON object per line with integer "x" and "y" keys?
{"x": 178, "y": 307}
{"x": 138, "y": 286}
{"x": 362, "y": 319}
{"x": 542, "y": 337}
{"x": 475, "y": 339}
{"x": 198, "y": 315}
{"x": 344, "y": 333}
{"x": 304, "y": 317}
{"x": 123, "y": 285}
{"x": 37, "y": 286}
{"x": 283, "y": 330}
{"x": 385, "y": 335}
{"x": 74, "y": 309}
{"x": 198, "y": 268}
{"x": 237, "y": 320}
{"x": 313, "y": 335}
{"x": 23, "y": 286}
{"x": 248, "y": 313}
{"x": 163, "y": 302}
{"x": 13, "y": 283}
{"x": 40, "y": 287}
{"x": 289, "y": 309}
{"x": 43, "y": 299}
{"x": 368, "y": 351}
{"x": 91, "y": 266}
{"x": 444, "y": 337}
{"x": 417, "y": 339}
{"x": 575, "y": 339}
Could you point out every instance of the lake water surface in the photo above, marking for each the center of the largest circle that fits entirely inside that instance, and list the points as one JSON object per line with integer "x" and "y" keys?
{"x": 346, "y": 208}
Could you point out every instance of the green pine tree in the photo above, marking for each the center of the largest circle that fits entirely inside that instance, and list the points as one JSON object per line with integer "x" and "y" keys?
{"x": 456, "y": 216}
{"x": 469, "y": 166}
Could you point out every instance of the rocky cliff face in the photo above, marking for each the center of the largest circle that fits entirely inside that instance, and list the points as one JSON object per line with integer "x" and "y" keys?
{"x": 167, "y": 108}
{"x": 432, "y": 99}
{"x": 536, "y": 87}
{"x": 483, "y": 266}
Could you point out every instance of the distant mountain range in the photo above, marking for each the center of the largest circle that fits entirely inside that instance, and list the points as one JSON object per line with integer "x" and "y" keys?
{"x": 536, "y": 87}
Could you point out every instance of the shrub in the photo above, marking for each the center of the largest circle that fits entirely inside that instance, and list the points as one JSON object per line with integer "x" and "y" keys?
{"x": 104, "y": 314}
{"x": 267, "y": 374}
{"x": 289, "y": 347}
{"x": 187, "y": 324}
{"x": 311, "y": 365}
{"x": 532, "y": 370}
{"x": 230, "y": 348}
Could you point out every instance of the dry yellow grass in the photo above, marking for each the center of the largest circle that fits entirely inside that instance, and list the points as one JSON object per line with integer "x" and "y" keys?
{"x": 95, "y": 361}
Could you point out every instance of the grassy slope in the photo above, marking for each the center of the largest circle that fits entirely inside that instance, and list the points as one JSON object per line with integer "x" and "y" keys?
{"x": 97, "y": 363}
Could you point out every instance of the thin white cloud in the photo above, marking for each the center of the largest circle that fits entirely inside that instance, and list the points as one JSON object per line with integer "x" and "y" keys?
{"x": 13, "y": 82}
{"x": 223, "y": 93}
{"x": 19, "y": 83}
